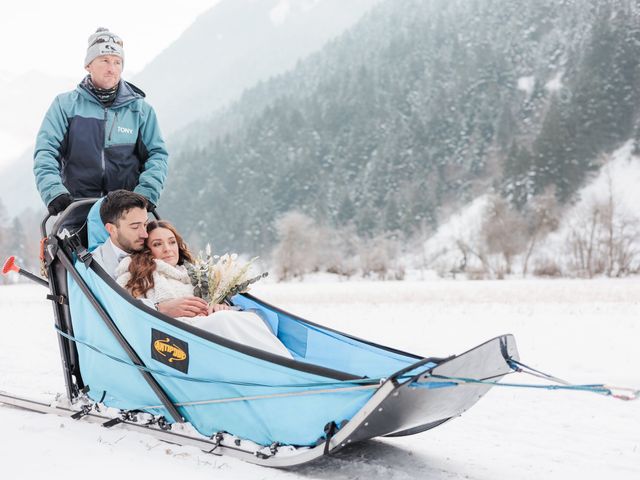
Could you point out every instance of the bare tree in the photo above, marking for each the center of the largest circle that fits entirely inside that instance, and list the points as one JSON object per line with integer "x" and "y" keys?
{"x": 338, "y": 250}
{"x": 461, "y": 267}
{"x": 620, "y": 229}
{"x": 423, "y": 232}
{"x": 467, "y": 252}
{"x": 378, "y": 256}
{"x": 602, "y": 236}
{"x": 541, "y": 217}
{"x": 295, "y": 253}
{"x": 503, "y": 231}
{"x": 582, "y": 240}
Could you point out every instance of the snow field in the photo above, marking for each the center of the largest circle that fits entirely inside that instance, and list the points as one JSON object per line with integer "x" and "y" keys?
{"x": 584, "y": 331}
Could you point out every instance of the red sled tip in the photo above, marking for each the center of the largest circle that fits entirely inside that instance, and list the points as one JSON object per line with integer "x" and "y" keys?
{"x": 10, "y": 266}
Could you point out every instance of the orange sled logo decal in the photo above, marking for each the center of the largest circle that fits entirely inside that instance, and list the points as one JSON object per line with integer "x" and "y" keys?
{"x": 164, "y": 349}
{"x": 169, "y": 350}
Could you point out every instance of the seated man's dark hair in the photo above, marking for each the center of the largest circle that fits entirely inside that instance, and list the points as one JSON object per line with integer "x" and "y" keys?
{"x": 117, "y": 203}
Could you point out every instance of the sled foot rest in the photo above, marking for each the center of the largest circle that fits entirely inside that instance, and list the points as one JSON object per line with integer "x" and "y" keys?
{"x": 112, "y": 423}
{"x": 85, "y": 410}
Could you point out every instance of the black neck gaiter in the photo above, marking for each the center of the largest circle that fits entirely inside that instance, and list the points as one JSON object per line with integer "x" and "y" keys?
{"x": 106, "y": 96}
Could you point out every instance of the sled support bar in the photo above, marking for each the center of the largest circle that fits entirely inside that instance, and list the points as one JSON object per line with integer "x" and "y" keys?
{"x": 131, "y": 353}
{"x": 10, "y": 266}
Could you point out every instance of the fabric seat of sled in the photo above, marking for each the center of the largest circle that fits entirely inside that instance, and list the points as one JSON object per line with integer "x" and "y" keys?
{"x": 216, "y": 369}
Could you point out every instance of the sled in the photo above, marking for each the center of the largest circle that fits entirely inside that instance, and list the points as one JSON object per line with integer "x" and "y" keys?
{"x": 119, "y": 355}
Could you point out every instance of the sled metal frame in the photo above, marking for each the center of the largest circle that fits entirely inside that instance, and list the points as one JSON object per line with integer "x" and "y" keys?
{"x": 399, "y": 406}
{"x": 56, "y": 277}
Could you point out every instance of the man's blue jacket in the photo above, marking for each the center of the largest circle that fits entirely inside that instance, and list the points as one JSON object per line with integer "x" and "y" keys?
{"x": 86, "y": 149}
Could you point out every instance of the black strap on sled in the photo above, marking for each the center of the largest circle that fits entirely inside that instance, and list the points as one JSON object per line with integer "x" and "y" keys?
{"x": 61, "y": 299}
{"x": 74, "y": 243}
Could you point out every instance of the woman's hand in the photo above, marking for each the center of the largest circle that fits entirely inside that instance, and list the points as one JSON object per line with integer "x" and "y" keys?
{"x": 218, "y": 307}
{"x": 183, "y": 307}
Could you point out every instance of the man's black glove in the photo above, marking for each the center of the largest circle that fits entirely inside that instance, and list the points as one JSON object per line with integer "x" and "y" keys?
{"x": 150, "y": 206}
{"x": 59, "y": 203}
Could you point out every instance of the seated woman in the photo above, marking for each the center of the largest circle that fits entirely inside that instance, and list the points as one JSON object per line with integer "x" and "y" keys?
{"x": 158, "y": 273}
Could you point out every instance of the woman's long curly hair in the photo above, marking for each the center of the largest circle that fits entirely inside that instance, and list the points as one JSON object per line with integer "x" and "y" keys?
{"x": 143, "y": 264}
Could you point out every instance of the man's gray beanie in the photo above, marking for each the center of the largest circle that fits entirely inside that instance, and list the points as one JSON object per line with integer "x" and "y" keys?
{"x": 103, "y": 42}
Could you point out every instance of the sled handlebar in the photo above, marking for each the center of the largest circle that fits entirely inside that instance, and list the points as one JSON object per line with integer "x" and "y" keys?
{"x": 62, "y": 217}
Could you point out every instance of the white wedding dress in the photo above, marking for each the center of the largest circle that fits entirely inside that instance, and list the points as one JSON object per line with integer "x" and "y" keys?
{"x": 246, "y": 328}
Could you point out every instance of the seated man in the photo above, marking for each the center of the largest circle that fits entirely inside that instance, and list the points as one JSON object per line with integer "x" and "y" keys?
{"x": 124, "y": 215}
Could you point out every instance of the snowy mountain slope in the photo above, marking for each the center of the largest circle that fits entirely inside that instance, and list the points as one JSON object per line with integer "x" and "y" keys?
{"x": 511, "y": 433}
{"x": 234, "y": 45}
{"x": 418, "y": 108}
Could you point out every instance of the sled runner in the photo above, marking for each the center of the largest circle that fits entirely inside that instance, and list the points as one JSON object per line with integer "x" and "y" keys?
{"x": 338, "y": 389}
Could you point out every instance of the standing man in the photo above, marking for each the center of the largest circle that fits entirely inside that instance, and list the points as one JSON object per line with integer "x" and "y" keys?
{"x": 100, "y": 137}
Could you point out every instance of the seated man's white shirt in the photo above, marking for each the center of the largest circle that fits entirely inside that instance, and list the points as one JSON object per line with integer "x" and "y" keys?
{"x": 119, "y": 253}
{"x": 108, "y": 256}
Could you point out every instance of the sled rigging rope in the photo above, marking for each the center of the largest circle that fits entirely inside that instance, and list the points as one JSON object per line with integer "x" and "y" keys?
{"x": 608, "y": 390}
{"x": 621, "y": 393}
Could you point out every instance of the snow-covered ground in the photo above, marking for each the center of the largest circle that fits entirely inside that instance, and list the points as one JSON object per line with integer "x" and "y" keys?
{"x": 584, "y": 331}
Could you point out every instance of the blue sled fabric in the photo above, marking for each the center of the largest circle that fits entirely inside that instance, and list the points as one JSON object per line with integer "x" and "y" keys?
{"x": 294, "y": 420}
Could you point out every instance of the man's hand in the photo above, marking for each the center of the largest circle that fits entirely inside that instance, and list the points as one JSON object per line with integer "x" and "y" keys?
{"x": 59, "y": 203}
{"x": 183, "y": 307}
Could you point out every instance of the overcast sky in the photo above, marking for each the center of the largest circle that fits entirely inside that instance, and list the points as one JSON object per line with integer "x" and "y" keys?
{"x": 51, "y": 36}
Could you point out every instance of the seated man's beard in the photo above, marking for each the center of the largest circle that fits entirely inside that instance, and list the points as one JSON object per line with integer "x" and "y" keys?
{"x": 129, "y": 246}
